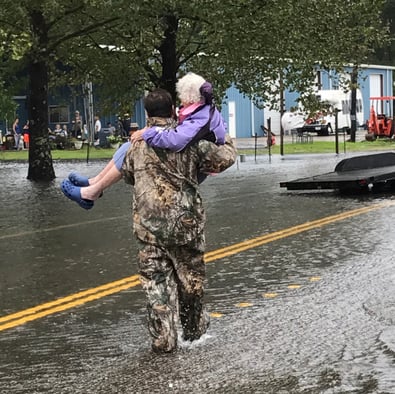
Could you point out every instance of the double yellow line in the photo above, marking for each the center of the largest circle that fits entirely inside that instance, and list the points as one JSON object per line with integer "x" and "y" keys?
{"x": 264, "y": 239}
{"x": 73, "y": 300}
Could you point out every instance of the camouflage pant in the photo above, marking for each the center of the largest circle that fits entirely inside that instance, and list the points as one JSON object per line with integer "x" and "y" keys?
{"x": 173, "y": 280}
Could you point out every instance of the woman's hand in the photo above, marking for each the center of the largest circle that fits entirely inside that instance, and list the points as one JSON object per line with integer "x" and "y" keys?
{"x": 137, "y": 135}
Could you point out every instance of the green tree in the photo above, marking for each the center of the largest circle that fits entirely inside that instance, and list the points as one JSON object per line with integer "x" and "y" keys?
{"x": 127, "y": 47}
{"x": 363, "y": 30}
{"x": 385, "y": 53}
{"x": 43, "y": 29}
{"x": 7, "y": 105}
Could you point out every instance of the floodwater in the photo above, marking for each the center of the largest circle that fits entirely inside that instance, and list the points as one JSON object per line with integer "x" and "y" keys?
{"x": 311, "y": 311}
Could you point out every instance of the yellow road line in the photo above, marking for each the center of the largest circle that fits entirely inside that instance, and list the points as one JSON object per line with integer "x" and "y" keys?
{"x": 63, "y": 307}
{"x": 77, "y": 299}
{"x": 261, "y": 240}
{"x": 61, "y": 304}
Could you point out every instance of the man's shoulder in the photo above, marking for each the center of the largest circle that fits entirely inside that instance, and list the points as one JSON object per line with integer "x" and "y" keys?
{"x": 159, "y": 123}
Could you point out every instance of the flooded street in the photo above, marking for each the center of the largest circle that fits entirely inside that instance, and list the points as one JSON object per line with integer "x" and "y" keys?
{"x": 300, "y": 285}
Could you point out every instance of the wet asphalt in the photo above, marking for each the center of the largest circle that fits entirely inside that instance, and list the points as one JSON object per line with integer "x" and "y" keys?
{"x": 300, "y": 285}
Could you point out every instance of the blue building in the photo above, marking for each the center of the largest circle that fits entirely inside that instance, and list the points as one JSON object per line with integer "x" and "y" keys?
{"x": 63, "y": 102}
{"x": 243, "y": 117}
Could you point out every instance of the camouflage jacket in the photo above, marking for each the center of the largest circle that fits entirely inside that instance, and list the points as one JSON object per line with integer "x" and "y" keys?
{"x": 167, "y": 206}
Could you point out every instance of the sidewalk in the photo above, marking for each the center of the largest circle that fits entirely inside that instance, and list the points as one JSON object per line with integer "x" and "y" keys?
{"x": 249, "y": 143}
{"x": 261, "y": 142}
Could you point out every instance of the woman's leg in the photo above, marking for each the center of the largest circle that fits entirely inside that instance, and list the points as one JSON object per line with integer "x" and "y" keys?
{"x": 111, "y": 176}
{"x": 102, "y": 173}
{"x": 116, "y": 162}
{"x": 17, "y": 138}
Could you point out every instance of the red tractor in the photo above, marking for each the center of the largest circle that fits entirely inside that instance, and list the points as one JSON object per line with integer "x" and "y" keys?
{"x": 380, "y": 125}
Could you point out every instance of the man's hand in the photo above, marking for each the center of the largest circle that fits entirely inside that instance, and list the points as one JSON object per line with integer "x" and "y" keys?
{"x": 138, "y": 135}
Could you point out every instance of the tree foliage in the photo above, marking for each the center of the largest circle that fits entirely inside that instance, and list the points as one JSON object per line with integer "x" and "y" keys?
{"x": 384, "y": 53}
{"x": 125, "y": 48}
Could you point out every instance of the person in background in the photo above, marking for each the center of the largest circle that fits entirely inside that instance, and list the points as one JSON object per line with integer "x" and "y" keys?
{"x": 65, "y": 130}
{"x": 77, "y": 125}
{"x": 57, "y": 130}
{"x": 17, "y": 132}
{"x": 85, "y": 132}
{"x": 111, "y": 128}
{"x": 97, "y": 127}
{"x": 126, "y": 124}
{"x": 120, "y": 129}
{"x": 26, "y": 135}
{"x": 133, "y": 128}
{"x": 59, "y": 137}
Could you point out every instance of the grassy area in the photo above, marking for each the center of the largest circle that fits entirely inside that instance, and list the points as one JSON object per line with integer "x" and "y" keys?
{"x": 315, "y": 147}
{"x": 327, "y": 147}
{"x": 81, "y": 154}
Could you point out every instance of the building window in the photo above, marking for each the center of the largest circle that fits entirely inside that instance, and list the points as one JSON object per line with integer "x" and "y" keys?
{"x": 59, "y": 114}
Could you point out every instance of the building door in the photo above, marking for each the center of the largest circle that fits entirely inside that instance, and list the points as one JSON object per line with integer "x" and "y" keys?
{"x": 232, "y": 119}
{"x": 275, "y": 119}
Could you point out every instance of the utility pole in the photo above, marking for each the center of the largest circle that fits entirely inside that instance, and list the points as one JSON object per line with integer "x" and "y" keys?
{"x": 281, "y": 114}
{"x": 353, "y": 104}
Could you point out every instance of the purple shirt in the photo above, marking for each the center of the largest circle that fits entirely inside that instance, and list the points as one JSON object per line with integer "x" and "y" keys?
{"x": 178, "y": 139}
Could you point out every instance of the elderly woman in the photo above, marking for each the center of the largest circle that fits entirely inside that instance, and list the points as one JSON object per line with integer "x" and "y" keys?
{"x": 198, "y": 118}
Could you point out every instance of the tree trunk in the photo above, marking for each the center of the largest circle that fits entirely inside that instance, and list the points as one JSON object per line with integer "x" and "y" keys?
{"x": 353, "y": 105}
{"x": 168, "y": 51}
{"x": 282, "y": 110}
{"x": 40, "y": 158}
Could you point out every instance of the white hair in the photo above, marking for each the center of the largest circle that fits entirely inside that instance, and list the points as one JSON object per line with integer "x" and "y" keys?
{"x": 188, "y": 88}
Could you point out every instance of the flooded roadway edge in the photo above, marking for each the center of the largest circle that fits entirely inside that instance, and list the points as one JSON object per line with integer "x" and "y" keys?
{"x": 77, "y": 299}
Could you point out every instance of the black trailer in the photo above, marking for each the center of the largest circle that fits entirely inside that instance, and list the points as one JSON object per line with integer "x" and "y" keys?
{"x": 370, "y": 173}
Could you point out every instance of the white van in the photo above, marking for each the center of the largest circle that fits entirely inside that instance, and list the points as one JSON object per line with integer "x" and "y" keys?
{"x": 326, "y": 124}
{"x": 342, "y": 101}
